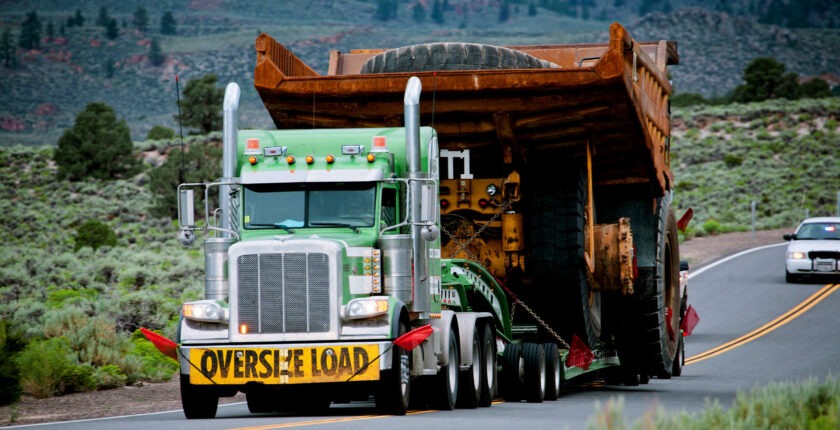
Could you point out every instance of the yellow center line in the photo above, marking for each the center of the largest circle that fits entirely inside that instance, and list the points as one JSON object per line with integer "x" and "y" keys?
{"x": 787, "y": 317}
{"x": 326, "y": 421}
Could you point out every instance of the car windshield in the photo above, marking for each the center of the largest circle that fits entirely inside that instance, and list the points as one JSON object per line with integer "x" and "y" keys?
{"x": 819, "y": 231}
{"x": 290, "y": 206}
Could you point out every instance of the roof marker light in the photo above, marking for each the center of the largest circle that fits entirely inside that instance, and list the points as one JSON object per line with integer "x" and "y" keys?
{"x": 252, "y": 146}
{"x": 252, "y": 159}
{"x": 330, "y": 159}
{"x": 371, "y": 157}
{"x": 310, "y": 159}
{"x": 290, "y": 159}
{"x": 379, "y": 144}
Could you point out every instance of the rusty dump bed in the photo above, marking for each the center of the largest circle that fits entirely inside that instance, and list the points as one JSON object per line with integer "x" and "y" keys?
{"x": 613, "y": 96}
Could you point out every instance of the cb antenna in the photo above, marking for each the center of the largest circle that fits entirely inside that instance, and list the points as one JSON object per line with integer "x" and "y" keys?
{"x": 180, "y": 130}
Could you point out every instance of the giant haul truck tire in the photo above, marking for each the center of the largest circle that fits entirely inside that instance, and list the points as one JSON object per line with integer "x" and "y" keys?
{"x": 451, "y": 56}
{"x": 556, "y": 236}
{"x": 653, "y": 333}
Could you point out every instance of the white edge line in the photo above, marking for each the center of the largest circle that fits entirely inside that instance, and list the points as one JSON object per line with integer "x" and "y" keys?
{"x": 731, "y": 257}
{"x": 108, "y": 418}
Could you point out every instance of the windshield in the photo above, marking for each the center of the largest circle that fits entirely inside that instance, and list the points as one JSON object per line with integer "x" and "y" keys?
{"x": 819, "y": 231}
{"x": 289, "y": 206}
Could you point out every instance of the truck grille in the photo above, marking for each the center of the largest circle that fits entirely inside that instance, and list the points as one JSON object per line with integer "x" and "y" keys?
{"x": 284, "y": 293}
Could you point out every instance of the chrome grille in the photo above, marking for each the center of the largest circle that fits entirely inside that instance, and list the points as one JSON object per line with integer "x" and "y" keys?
{"x": 284, "y": 292}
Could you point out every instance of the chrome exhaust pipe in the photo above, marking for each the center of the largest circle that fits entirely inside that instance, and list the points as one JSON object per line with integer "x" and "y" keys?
{"x": 422, "y": 293}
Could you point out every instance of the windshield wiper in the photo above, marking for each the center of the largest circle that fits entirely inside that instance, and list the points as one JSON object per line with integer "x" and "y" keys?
{"x": 335, "y": 224}
{"x": 275, "y": 225}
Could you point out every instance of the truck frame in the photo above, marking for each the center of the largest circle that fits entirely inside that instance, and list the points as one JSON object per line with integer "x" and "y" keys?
{"x": 524, "y": 237}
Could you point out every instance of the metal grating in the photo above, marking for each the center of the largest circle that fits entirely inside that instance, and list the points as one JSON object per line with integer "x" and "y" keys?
{"x": 284, "y": 293}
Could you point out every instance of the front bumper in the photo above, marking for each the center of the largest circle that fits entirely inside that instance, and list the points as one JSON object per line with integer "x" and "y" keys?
{"x": 285, "y": 364}
{"x": 817, "y": 266}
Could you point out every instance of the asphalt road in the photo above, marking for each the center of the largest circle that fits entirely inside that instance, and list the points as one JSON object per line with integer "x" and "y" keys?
{"x": 754, "y": 329}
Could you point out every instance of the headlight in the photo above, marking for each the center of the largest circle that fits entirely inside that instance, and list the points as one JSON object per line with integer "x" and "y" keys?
{"x": 796, "y": 255}
{"x": 205, "y": 310}
{"x": 365, "y": 308}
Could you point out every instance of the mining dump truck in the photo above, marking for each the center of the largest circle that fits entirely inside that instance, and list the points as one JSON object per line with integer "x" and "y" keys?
{"x": 436, "y": 226}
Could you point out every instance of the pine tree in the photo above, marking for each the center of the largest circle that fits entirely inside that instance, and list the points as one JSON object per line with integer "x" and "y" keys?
{"x": 201, "y": 105}
{"x": 168, "y": 25}
{"x": 156, "y": 56}
{"x": 141, "y": 19}
{"x": 532, "y": 9}
{"x": 7, "y": 48}
{"x": 504, "y": 11}
{"x": 437, "y": 12}
{"x": 103, "y": 18}
{"x": 112, "y": 29}
{"x": 50, "y": 31}
{"x": 30, "y": 32}
{"x": 79, "y": 19}
{"x": 384, "y": 10}
{"x": 418, "y": 12}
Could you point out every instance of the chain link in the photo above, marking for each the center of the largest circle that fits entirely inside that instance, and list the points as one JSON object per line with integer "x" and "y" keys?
{"x": 516, "y": 300}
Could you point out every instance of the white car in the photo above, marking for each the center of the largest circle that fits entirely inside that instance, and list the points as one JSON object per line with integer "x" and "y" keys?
{"x": 814, "y": 249}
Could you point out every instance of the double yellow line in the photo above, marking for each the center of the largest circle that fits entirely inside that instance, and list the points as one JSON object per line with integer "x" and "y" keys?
{"x": 769, "y": 327}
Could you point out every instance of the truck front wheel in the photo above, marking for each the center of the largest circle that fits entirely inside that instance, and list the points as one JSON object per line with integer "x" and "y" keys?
{"x": 198, "y": 402}
{"x": 394, "y": 392}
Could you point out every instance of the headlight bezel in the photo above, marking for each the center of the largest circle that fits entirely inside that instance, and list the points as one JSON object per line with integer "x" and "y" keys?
{"x": 367, "y": 307}
{"x": 205, "y": 311}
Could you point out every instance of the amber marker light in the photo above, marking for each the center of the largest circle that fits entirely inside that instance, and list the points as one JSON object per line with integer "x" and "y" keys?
{"x": 243, "y": 329}
{"x": 290, "y": 159}
{"x": 310, "y": 159}
{"x": 330, "y": 159}
{"x": 252, "y": 160}
{"x": 371, "y": 158}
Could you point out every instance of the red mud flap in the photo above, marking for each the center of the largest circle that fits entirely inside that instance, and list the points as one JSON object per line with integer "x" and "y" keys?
{"x": 689, "y": 321}
{"x": 579, "y": 354}
{"x": 164, "y": 345}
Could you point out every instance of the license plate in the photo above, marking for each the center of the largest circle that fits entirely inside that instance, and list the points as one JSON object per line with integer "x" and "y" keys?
{"x": 235, "y": 366}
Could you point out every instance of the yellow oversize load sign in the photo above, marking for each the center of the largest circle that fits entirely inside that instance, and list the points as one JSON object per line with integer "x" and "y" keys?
{"x": 284, "y": 365}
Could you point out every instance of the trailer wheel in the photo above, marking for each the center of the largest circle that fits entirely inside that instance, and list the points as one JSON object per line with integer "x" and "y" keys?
{"x": 557, "y": 236}
{"x": 553, "y": 371}
{"x": 490, "y": 376}
{"x": 451, "y": 56}
{"x": 198, "y": 402}
{"x": 469, "y": 393}
{"x": 658, "y": 295}
{"x": 446, "y": 394}
{"x": 394, "y": 393}
{"x": 513, "y": 370}
{"x": 535, "y": 377}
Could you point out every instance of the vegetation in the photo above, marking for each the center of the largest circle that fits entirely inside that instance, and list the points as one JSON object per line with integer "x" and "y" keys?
{"x": 201, "y": 106}
{"x": 808, "y": 404}
{"x": 94, "y": 234}
{"x": 96, "y": 146}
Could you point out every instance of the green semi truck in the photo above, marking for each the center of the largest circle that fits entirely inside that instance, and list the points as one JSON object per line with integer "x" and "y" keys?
{"x": 437, "y": 226}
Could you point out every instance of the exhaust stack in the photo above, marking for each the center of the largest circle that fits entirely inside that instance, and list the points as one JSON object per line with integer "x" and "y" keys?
{"x": 422, "y": 293}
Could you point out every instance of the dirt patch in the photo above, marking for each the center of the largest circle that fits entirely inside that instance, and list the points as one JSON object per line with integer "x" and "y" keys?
{"x": 148, "y": 397}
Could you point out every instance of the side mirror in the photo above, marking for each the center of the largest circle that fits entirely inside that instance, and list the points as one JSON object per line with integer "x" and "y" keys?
{"x": 683, "y": 265}
{"x": 789, "y": 237}
{"x": 186, "y": 208}
{"x": 429, "y": 211}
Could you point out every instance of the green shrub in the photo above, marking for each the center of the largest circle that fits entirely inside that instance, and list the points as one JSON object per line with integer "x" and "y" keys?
{"x": 9, "y": 380}
{"x": 109, "y": 376}
{"x": 160, "y": 132}
{"x": 154, "y": 365}
{"x": 94, "y": 234}
{"x": 831, "y": 124}
{"x": 55, "y": 361}
{"x": 732, "y": 160}
{"x": 711, "y": 227}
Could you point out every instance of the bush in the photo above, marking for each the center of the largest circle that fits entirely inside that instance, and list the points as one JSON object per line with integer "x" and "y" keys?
{"x": 711, "y": 227}
{"x": 155, "y": 366}
{"x": 109, "y": 376}
{"x": 9, "y": 380}
{"x": 732, "y": 160}
{"x": 49, "y": 367}
{"x": 160, "y": 132}
{"x": 94, "y": 234}
{"x": 201, "y": 163}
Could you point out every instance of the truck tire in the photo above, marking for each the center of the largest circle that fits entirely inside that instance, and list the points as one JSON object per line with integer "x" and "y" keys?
{"x": 490, "y": 370}
{"x": 513, "y": 370}
{"x": 535, "y": 373}
{"x": 260, "y": 402}
{"x": 198, "y": 402}
{"x": 446, "y": 394}
{"x": 469, "y": 383}
{"x": 553, "y": 371}
{"x": 556, "y": 238}
{"x": 393, "y": 395}
{"x": 657, "y": 292}
{"x": 679, "y": 360}
{"x": 451, "y": 56}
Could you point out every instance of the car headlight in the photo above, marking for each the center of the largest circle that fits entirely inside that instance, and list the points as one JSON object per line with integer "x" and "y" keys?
{"x": 366, "y": 308}
{"x": 204, "y": 310}
{"x": 798, "y": 255}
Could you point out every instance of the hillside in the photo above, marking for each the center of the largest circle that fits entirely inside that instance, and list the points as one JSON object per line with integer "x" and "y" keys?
{"x": 43, "y": 94}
